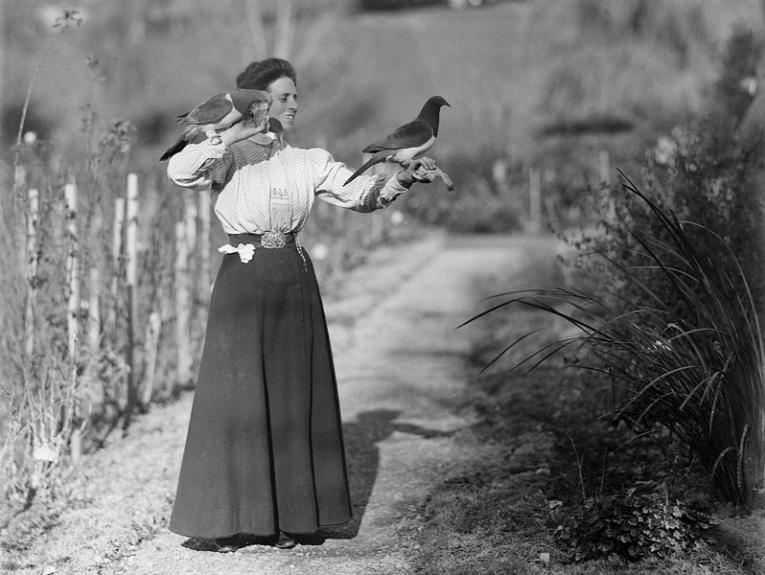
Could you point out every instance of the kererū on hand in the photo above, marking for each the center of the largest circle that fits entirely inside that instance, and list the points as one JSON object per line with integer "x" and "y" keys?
{"x": 407, "y": 142}
{"x": 219, "y": 113}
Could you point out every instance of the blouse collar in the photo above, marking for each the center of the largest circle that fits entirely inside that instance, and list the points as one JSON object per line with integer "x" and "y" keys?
{"x": 264, "y": 139}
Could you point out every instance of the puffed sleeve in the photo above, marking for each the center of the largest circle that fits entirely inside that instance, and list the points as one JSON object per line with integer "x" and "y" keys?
{"x": 364, "y": 194}
{"x": 200, "y": 166}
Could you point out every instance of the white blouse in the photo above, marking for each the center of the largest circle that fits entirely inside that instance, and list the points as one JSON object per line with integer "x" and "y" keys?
{"x": 264, "y": 186}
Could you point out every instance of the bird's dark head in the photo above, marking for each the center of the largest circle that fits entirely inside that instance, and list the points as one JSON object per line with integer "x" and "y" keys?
{"x": 275, "y": 126}
{"x": 245, "y": 99}
{"x": 430, "y": 111}
{"x": 437, "y": 102}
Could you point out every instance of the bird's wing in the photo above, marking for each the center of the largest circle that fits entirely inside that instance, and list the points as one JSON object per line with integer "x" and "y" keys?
{"x": 376, "y": 159}
{"x": 210, "y": 111}
{"x": 409, "y": 135}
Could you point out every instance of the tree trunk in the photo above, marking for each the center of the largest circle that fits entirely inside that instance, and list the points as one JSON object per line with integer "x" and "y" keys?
{"x": 285, "y": 26}
{"x": 257, "y": 31}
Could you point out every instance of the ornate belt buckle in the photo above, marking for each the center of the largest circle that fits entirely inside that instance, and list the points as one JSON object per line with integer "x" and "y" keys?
{"x": 273, "y": 240}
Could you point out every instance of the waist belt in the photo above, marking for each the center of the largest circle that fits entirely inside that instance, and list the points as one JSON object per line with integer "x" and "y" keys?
{"x": 269, "y": 240}
{"x": 246, "y": 244}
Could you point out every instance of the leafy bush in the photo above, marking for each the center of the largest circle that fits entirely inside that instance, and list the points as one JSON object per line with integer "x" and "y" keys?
{"x": 630, "y": 525}
{"x": 699, "y": 176}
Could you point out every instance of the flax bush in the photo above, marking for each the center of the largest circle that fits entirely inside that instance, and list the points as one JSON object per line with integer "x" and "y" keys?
{"x": 674, "y": 326}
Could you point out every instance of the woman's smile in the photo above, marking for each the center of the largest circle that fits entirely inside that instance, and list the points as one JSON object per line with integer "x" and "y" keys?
{"x": 285, "y": 106}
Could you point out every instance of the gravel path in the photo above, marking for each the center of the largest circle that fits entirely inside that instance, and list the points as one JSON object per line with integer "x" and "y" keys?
{"x": 402, "y": 368}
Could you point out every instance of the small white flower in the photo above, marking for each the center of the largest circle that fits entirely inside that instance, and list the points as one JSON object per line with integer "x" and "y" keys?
{"x": 396, "y": 218}
{"x": 246, "y": 251}
{"x": 30, "y": 138}
{"x": 320, "y": 251}
{"x": 665, "y": 150}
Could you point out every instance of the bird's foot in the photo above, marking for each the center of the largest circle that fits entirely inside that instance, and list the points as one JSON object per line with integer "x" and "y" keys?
{"x": 215, "y": 139}
{"x": 285, "y": 541}
{"x": 426, "y": 170}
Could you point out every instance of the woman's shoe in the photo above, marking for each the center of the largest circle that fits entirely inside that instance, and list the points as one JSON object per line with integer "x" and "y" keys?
{"x": 220, "y": 545}
{"x": 284, "y": 541}
{"x": 225, "y": 545}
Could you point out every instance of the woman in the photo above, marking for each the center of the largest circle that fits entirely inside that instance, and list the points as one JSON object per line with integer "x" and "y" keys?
{"x": 264, "y": 451}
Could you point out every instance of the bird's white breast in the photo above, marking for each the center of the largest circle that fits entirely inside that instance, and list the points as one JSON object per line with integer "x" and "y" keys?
{"x": 406, "y": 154}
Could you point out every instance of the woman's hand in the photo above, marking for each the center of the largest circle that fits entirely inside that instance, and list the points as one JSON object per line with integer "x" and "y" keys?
{"x": 421, "y": 170}
{"x": 243, "y": 130}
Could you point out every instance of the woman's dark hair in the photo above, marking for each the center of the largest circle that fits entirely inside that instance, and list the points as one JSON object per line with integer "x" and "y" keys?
{"x": 260, "y": 75}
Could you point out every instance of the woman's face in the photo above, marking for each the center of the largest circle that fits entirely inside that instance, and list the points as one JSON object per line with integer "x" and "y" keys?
{"x": 284, "y": 107}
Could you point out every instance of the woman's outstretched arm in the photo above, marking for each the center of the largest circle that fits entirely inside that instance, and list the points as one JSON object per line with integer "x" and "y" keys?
{"x": 364, "y": 194}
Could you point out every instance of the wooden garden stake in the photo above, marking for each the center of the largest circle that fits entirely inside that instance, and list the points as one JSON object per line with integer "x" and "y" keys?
{"x": 604, "y": 165}
{"x": 204, "y": 246}
{"x": 190, "y": 212}
{"x": 151, "y": 353}
{"x": 131, "y": 229}
{"x": 131, "y": 249}
{"x": 94, "y": 312}
{"x": 535, "y": 200}
{"x": 119, "y": 222}
{"x": 32, "y": 261}
{"x": 183, "y": 346}
{"x": 73, "y": 309}
{"x": 70, "y": 191}
{"x": 190, "y": 217}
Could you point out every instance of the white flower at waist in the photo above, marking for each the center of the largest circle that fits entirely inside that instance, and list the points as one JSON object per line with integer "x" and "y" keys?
{"x": 245, "y": 251}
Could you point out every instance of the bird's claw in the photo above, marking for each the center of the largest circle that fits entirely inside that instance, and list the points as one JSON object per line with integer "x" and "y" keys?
{"x": 426, "y": 170}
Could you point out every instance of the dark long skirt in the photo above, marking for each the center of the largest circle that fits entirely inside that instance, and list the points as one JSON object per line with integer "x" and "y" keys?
{"x": 264, "y": 450}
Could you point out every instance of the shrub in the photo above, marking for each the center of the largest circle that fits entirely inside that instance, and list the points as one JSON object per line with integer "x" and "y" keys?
{"x": 630, "y": 525}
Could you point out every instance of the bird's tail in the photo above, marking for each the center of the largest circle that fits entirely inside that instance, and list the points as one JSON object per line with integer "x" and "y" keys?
{"x": 174, "y": 149}
{"x": 376, "y": 159}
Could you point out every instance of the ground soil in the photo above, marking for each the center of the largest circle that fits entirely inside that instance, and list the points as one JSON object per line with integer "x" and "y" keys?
{"x": 402, "y": 368}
